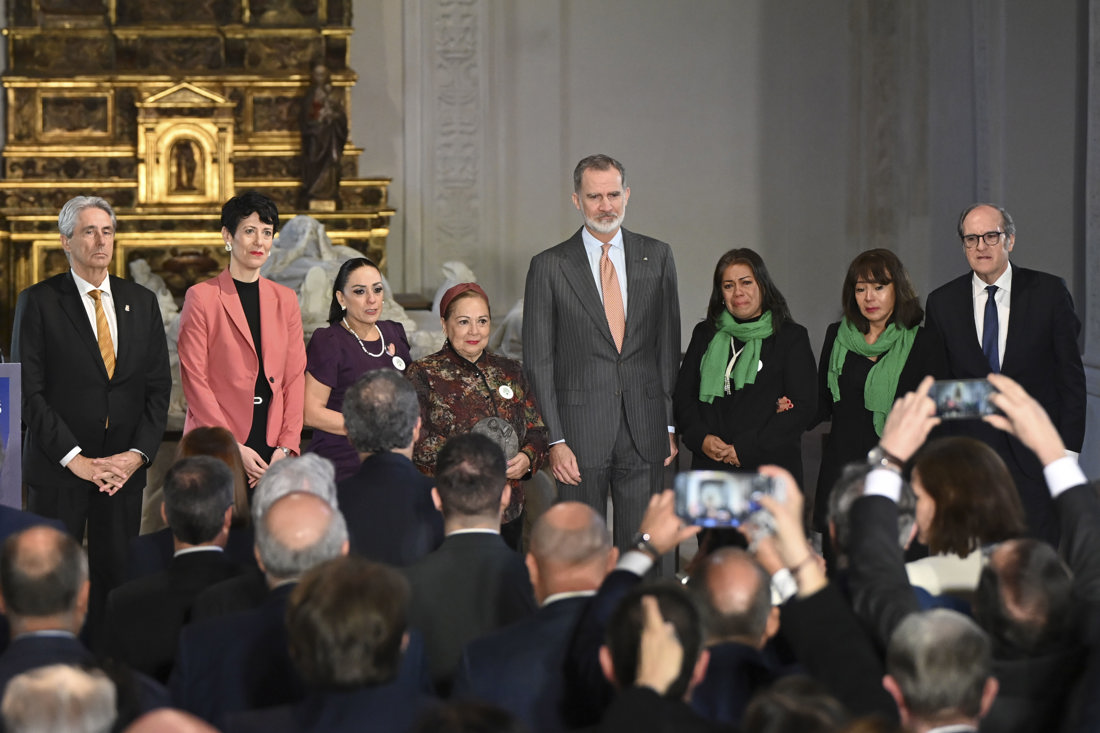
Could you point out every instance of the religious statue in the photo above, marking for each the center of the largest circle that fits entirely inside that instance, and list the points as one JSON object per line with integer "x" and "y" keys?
{"x": 324, "y": 132}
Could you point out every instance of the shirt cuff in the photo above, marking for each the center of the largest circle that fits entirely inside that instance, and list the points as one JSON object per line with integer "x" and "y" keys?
{"x": 672, "y": 428}
{"x": 69, "y": 456}
{"x": 144, "y": 458}
{"x": 635, "y": 562}
{"x": 558, "y": 441}
{"x": 1063, "y": 474}
{"x": 883, "y": 482}
{"x": 784, "y": 586}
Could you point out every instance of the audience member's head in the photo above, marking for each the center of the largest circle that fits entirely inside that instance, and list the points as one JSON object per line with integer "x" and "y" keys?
{"x": 198, "y": 500}
{"x": 298, "y": 532}
{"x": 346, "y": 623}
{"x": 939, "y": 669}
{"x": 735, "y": 591}
{"x": 794, "y": 704}
{"x": 1025, "y": 596}
{"x": 619, "y": 656}
{"x": 59, "y": 698}
{"x": 469, "y": 716}
{"x": 43, "y": 581}
{"x": 470, "y": 480}
{"x": 846, "y": 490}
{"x": 570, "y": 550}
{"x": 381, "y": 412}
{"x": 966, "y": 497}
{"x": 309, "y": 473}
{"x": 220, "y": 443}
{"x": 168, "y": 720}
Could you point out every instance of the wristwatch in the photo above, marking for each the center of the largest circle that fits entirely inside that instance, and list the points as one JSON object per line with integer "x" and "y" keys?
{"x": 284, "y": 449}
{"x": 642, "y": 544}
{"x": 879, "y": 457}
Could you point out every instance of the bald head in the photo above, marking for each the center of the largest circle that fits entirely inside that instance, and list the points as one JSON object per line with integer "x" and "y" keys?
{"x": 44, "y": 575}
{"x": 570, "y": 550}
{"x": 167, "y": 720}
{"x": 736, "y": 592}
{"x": 297, "y": 532}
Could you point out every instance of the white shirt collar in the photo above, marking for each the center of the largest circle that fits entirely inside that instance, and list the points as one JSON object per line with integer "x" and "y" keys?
{"x": 1004, "y": 282}
{"x": 590, "y": 242}
{"x": 84, "y": 287}
{"x": 555, "y": 597}
{"x": 198, "y": 548}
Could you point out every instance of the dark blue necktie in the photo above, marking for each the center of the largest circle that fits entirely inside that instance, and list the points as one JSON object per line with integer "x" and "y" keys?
{"x": 990, "y": 331}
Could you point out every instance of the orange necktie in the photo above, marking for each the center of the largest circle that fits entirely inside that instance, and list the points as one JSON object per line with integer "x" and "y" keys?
{"x": 612, "y": 299}
{"x": 103, "y": 334}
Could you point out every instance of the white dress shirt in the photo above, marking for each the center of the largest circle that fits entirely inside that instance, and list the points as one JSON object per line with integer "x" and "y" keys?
{"x": 1001, "y": 298}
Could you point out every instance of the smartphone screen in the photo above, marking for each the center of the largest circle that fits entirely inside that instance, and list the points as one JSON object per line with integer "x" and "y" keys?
{"x": 720, "y": 499}
{"x": 962, "y": 399}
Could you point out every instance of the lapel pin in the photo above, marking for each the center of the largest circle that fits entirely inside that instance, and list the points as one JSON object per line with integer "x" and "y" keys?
{"x": 127, "y": 307}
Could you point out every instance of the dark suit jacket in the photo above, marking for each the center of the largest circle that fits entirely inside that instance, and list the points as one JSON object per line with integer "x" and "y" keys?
{"x": 580, "y": 380}
{"x": 389, "y": 510}
{"x": 747, "y": 418}
{"x": 150, "y": 553}
{"x": 67, "y": 397}
{"x": 641, "y": 709}
{"x": 1041, "y": 354}
{"x": 520, "y": 668}
{"x": 144, "y": 616}
{"x": 243, "y": 592}
{"x": 388, "y": 708}
{"x": 471, "y": 585}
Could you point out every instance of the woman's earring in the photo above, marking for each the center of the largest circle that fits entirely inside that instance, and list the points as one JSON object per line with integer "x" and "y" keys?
{"x": 344, "y": 308}
{"x": 228, "y": 246}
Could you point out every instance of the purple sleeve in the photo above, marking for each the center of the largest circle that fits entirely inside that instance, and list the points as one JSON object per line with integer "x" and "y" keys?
{"x": 321, "y": 361}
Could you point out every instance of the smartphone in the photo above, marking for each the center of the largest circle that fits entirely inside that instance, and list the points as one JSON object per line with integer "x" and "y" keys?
{"x": 720, "y": 499}
{"x": 962, "y": 399}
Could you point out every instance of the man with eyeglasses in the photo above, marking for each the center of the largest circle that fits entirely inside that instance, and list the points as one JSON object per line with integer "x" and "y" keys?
{"x": 1023, "y": 325}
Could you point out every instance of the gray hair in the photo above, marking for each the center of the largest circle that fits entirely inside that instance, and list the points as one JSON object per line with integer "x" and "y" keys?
{"x": 749, "y": 620}
{"x": 571, "y": 545}
{"x": 941, "y": 660}
{"x": 1006, "y": 219}
{"x": 380, "y": 411}
{"x": 599, "y": 162}
{"x": 66, "y": 220}
{"x": 58, "y": 697}
{"x": 309, "y": 473}
{"x": 848, "y": 488}
{"x": 283, "y": 562}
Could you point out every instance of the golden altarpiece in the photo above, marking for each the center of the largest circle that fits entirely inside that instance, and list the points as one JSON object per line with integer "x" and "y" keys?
{"x": 167, "y": 108}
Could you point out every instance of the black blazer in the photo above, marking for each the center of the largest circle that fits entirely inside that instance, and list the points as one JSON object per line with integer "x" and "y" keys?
{"x": 1041, "y": 353}
{"x": 144, "y": 616}
{"x": 747, "y": 418}
{"x": 471, "y": 585}
{"x": 389, "y": 510}
{"x": 520, "y": 668}
{"x": 67, "y": 397}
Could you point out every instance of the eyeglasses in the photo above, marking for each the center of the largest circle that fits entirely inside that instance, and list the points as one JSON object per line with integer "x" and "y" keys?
{"x": 992, "y": 239}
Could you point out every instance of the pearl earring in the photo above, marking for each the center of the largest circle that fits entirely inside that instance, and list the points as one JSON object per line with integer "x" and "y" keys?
{"x": 228, "y": 246}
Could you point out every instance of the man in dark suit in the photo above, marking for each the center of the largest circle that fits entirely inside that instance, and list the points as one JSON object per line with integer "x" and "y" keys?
{"x": 388, "y": 502}
{"x": 1004, "y": 319}
{"x": 473, "y": 583}
{"x": 346, "y": 630}
{"x": 144, "y": 616}
{"x": 44, "y": 593}
{"x": 240, "y": 662}
{"x": 96, "y": 384}
{"x": 601, "y": 347}
{"x": 520, "y": 667}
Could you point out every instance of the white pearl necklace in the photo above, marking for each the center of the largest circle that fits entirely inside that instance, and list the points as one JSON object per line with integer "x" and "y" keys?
{"x": 361, "y": 344}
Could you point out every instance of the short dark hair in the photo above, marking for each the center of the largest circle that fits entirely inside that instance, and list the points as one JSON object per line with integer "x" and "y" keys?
{"x": 624, "y": 632}
{"x": 1038, "y": 585}
{"x": 470, "y": 476}
{"x": 248, "y": 203}
{"x": 380, "y": 411}
{"x": 976, "y": 499}
{"x": 335, "y": 310}
{"x": 941, "y": 661}
{"x": 750, "y": 620}
{"x": 794, "y": 703}
{"x": 1006, "y": 219}
{"x": 41, "y": 581}
{"x": 197, "y": 491}
{"x": 599, "y": 162}
{"x": 882, "y": 267}
{"x": 772, "y": 299}
{"x": 346, "y": 621}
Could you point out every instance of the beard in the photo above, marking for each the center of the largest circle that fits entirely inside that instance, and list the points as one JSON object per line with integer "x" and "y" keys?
{"x": 604, "y": 226}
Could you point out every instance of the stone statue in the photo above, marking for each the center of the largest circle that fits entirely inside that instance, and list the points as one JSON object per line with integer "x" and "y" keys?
{"x": 324, "y": 132}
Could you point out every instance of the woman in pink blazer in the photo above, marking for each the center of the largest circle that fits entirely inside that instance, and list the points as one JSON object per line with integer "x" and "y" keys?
{"x": 254, "y": 392}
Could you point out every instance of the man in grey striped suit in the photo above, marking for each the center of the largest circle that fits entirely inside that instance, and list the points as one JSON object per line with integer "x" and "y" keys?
{"x": 601, "y": 347}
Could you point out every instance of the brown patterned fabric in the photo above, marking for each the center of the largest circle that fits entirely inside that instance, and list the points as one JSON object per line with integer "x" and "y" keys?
{"x": 455, "y": 394}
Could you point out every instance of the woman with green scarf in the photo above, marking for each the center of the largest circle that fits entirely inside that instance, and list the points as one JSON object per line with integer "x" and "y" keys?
{"x": 875, "y": 354}
{"x": 746, "y": 389}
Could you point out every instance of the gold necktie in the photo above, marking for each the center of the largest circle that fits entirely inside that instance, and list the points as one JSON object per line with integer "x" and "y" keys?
{"x": 103, "y": 334}
{"x": 612, "y": 299}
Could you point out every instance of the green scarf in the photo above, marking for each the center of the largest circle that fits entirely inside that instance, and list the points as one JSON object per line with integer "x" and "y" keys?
{"x": 882, "y": 380}
{"x": 712, "y": 368}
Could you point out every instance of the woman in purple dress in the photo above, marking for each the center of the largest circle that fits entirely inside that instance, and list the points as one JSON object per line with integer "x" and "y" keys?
{"x": 354, "y": 342}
